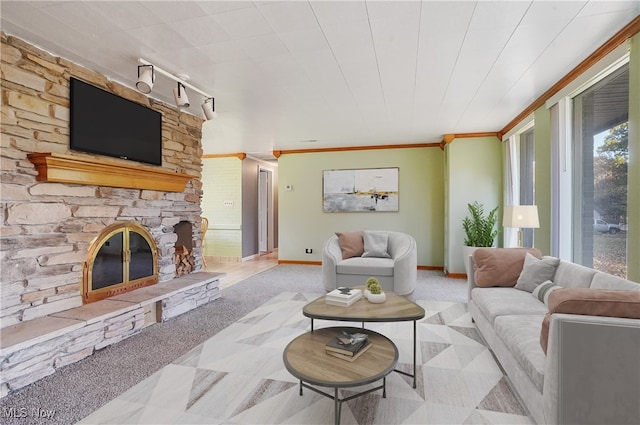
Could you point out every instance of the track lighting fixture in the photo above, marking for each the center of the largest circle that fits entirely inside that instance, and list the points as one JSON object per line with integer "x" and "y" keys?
{"x": 182, "y": 101}
{"x": 146, "y": 78}
{"x": 209, "y": 109}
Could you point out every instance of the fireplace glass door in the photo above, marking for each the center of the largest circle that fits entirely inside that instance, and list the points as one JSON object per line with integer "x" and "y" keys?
{"x": 108, "y": 266}
{"x": 122, "y": 258}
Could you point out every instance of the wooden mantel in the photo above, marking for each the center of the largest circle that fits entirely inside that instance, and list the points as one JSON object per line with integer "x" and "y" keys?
{"x": 59, "y": 168}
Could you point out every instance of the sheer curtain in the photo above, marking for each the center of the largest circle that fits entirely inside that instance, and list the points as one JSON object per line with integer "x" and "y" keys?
{"x": 511, "y": 189}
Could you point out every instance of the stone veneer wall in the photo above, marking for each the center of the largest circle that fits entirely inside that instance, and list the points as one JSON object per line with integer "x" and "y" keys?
{"x": 46, "y": 228}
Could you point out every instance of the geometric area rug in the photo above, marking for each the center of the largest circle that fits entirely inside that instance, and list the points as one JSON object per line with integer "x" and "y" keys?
{"x": 238, "y": 377}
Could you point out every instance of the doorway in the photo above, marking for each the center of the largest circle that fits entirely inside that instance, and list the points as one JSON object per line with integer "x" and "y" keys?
{"x": 265, "y": 208}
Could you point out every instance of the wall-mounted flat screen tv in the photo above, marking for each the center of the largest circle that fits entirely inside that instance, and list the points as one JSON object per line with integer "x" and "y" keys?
{"x": 106, "y": 124}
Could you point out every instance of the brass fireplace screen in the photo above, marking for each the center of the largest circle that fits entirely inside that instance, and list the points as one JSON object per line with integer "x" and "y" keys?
{"x": 123, "y": 257}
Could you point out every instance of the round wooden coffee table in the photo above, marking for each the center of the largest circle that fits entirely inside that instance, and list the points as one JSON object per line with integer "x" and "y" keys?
{"x": 395, "y": 309}
{"x": 306, "y": 359}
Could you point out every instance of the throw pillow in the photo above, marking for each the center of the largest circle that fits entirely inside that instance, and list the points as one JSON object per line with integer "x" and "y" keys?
{"x": 543, "y": 291}
{"x": 590, "y": 302}
{"x": 351, "y": 244}
{"x": 536, "y": 271}
{"x": 500, "y": 266}
{"x": 375, "y": 244}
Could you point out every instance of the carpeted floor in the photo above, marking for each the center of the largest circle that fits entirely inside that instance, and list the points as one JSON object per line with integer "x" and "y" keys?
{"x": 80, "y": 389}
{"x": 238, "y": 377}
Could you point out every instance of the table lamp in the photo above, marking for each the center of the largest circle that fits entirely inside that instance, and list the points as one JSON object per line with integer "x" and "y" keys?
{"x": 521, "y": 217}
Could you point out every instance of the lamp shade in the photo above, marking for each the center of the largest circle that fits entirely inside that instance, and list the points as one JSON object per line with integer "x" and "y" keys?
{"x": 209, "y": 109}
{"x": 521, "y": 216}
{"x": 180, "y": 96}
{"x": 145, "y": 79}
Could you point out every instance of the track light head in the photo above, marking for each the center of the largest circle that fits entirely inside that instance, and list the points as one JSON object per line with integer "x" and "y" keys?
{"x": 209, "y": 110}
{"x": 180, "y": 95}
{"x": 146, "y": 78}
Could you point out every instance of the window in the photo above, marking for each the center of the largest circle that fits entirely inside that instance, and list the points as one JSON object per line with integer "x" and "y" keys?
{"x": 601, "y": 156}
{"x": 519, "y": 180}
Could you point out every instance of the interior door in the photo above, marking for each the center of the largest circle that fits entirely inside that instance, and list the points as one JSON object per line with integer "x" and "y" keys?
{"x": 263, "y": 187}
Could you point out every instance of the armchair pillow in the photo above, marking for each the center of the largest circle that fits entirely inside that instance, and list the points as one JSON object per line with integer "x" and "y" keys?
{"x": 351, "y": 244}
{"x": 535, "y": 271}
{"x": 500, "y": 266}
{"x": 591, "y": 302}
{"x": 375, "y": 244}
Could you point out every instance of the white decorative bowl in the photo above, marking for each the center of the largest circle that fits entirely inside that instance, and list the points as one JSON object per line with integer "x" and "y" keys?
{"x": 377, "y": 298}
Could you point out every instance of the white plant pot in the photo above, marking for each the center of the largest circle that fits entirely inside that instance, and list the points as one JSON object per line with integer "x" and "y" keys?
{"x": 367, "y": 293}
{"x": 377, "y": 298}
{"x": 466, "y": 252}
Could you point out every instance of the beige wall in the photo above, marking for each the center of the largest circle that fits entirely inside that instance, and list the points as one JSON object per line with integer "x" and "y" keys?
{"x": 543, "y": 183}
{"x": 233, "y": 230}
{"x": 473, "y": 173}
{"x": 222, "y": 181}
{"x": 303, "y": 224}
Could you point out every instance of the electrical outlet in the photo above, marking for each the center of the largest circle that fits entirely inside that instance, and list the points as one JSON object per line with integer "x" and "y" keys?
{"x": 308, "y": 251}
{"x": 228, "y": 203}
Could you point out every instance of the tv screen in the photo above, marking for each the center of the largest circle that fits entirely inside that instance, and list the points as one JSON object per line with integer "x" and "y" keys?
{"x": 106, "y": 124}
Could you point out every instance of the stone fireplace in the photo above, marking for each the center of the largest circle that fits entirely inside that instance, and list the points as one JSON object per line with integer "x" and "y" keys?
{"x": 56, "y": 201}
{"x": 60, "y": 207}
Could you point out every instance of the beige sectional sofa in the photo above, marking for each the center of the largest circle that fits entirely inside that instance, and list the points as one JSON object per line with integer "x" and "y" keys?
{"x": 590, "y": 373}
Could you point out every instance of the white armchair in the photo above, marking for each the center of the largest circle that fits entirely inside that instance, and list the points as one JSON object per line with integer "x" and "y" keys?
{"x": 397, "y": 274}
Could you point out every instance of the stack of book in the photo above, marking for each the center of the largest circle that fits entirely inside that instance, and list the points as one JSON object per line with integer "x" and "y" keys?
{"x": 343, "y": 296}
{"x": 348, "y": 347}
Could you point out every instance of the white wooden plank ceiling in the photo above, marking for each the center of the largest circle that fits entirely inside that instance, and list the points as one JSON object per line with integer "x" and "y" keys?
{"x": 342, "y": 73}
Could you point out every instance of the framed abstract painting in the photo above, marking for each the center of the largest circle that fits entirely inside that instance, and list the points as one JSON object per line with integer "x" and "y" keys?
{"x": 360, "y": 190}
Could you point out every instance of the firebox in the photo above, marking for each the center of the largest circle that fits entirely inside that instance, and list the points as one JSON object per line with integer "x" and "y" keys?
{"x": 184, "y": 258}
{"x": 121, "y": 258}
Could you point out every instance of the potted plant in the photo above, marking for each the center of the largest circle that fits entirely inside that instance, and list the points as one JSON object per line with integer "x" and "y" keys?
{"x": 480, "y": 230}
{"x": 376, "y": 295}
{"x": 370, "y": 281}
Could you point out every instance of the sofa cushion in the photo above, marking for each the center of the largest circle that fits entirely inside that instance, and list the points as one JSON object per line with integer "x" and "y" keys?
{"x": 542, "y": 291}
{"x": 366, "y": 266}
{"x": 495, "y": 302}
{"x": 375, "y": 244}
{"x": 608, "y": 281}
{"x": 590, "y": 302}
{"x": 571, "y": 275}
{"x": 499, "y": 266}
{"x": 351, "y": 244}
{"x": 535, "y": 271}
{"x": 520, "y": 333}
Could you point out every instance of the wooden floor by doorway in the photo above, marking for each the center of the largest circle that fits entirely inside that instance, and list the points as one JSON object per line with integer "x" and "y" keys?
{"x": 239, "y": 271}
